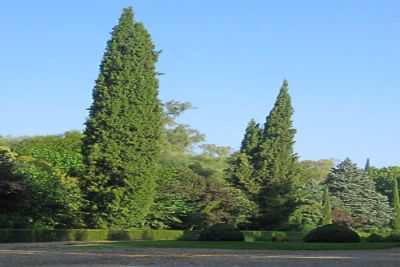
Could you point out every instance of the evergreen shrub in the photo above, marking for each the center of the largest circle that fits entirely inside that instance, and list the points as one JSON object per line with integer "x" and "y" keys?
{"x": 221, "y": 232}
{"x": 394, "y": 237}
{"x": 374, "y": 238}
{"x": 332, "y": 233}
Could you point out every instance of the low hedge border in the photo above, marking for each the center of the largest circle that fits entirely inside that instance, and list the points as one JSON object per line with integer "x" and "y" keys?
{"x": 41, "y": 235}
{"x": 267, "y": 235}
{"x": 45, "y": 235}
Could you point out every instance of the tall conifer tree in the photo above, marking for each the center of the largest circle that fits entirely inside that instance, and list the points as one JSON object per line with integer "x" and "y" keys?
{"x": 121, "y": 144}
{"x": 327, "y": 212}
{"x": 396, "y": 205}
{"x": 276, "y": 163}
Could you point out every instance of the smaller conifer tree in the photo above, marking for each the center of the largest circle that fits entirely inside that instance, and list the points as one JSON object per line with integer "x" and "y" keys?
{"x": 327, "y": 207}
{"x": 396, "y": 205}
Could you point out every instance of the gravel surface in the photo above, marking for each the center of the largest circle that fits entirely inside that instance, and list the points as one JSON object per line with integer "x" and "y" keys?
{"x": 62, "y": 254}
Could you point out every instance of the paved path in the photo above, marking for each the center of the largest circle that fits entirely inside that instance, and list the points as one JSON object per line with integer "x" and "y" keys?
{"x": 61, "y": 254}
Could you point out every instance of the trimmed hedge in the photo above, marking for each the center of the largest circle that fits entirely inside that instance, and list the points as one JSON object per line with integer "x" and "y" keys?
{"x": 45, "y": 235}
{"x": 393, "y": 237}
{"x": 269, "y": 235}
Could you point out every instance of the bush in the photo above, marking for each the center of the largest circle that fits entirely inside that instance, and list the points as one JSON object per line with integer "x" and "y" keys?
{"x": 279, "y": 237}
{"x": 332, "y": 233}
{"x": 374, "y": 238}
{"x": 221, "y": 232}
{"x": 394, "y": 237}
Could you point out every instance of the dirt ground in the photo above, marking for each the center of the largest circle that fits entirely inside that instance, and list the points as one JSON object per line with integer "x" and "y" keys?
{"x": 62, "y": 254}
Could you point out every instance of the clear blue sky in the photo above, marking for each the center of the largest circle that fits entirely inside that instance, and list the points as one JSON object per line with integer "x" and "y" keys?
{"x": 228, "y": 57}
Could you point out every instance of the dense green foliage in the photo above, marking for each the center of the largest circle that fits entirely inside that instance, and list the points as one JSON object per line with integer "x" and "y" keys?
{"x": 221, "y": 232}
{"x": 327, "y": 207}
{"x": 121, "y": 146}
{"x": 276, "y": 164}
{"x": 278, "y": 236}
{"x": 251, "y": 141}
{"x": 39, "y": 193}
{"x": 332, "y": 233}
{"x": 352, "y": 186}
{"x": 396, "y": 205}
{"x": 374, "y": 238}
{"x": 46, "y": 235}
{"x": 383, "y": 179}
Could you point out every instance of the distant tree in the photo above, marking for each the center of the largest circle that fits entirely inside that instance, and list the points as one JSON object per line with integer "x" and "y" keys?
{"x": 396, "y": 205}
{"x": 383, "y": 179}
{"x": 356, "y": 191}
{"x": 121, "y": 146}
{"x": 276, "y": 164}
{"x": 315, "y": 170}
{"x": 327, "y": 207}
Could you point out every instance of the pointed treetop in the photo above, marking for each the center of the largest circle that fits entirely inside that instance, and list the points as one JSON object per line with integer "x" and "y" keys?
{"x": 127, "y": 14}
{"x": 280, "y": 115}
{"x": 251, "y": 139}
{"x": 367, "y": 165}
{"x": 285, "y": 83}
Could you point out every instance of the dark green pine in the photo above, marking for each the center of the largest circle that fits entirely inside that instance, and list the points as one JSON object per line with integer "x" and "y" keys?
{"x": 276, "y": 163}
{"x": 122, "y": 136}
{"x": 396, "y": 205}
{"x": 327, "y": 213}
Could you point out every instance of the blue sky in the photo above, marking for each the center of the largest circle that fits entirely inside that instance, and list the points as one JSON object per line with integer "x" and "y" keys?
{"x": 341, "y": 58}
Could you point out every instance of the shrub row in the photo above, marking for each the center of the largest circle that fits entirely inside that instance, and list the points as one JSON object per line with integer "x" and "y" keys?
{"x": 273, "y": 236}
{"x": 45, "y": 235}
{"x": 393, "y": 237}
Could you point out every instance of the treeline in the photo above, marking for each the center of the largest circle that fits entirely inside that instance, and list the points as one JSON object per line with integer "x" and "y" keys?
{"x": 135, "y": 166}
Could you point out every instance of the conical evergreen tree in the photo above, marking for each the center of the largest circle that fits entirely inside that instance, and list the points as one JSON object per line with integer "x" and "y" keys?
{"x": 356, "y": 191}
{"x": 251, "y": 140}
{"x": 396, "y": 205}
{"x": 276, "y": 163}
{"x": 327, "y": 213}
{"x": 121, "y": 144}
{"x": 368, "y": 168}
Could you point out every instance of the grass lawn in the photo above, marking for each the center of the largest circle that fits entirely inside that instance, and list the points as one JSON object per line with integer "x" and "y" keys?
{"x": 244, "y": 245}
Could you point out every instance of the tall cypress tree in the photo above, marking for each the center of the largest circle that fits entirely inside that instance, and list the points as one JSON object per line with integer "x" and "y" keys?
{"x": 121, "y": 144}
{"x": 276, "y": 163}
{"x": 327, "y": 213}
{"x": 396, "y": 205}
